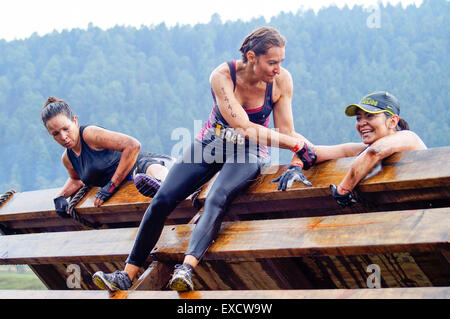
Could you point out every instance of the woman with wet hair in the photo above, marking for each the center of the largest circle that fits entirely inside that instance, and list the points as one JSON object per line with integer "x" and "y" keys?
{"x": 94, "y": 156}
{"x": 233, "y": 142}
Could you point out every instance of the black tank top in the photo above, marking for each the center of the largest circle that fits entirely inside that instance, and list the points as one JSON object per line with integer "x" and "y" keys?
{"x": 95, "y": 168}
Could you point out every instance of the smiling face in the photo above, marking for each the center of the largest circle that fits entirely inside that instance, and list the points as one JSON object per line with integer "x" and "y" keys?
{"x": 372, "y": 127}
{"x": 64, "y": 130}
{"x": 267, "y": 66}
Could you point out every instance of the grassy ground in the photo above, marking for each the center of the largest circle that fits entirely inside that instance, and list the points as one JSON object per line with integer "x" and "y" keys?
{"x": 10, "y": 279}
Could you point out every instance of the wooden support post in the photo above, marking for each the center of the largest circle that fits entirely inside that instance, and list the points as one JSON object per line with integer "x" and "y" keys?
{"x": 155, "y": 277}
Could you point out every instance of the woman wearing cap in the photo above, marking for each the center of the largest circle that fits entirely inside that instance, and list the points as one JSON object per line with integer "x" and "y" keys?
{"x": 382, "y": 132}
{"x": 98, "y": 157}
{"x": 232, "y": 142}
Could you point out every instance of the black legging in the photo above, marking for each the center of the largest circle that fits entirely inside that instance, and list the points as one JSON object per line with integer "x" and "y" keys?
{"x": 183, "y": 179}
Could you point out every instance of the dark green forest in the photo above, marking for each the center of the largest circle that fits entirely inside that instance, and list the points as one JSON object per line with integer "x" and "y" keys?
{"x": 147, "y": 81}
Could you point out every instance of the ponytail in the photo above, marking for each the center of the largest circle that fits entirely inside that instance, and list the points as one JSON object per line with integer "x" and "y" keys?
{"x": 402, "y": 125}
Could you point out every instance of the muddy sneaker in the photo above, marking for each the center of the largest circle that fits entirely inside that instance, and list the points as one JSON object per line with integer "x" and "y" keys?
{"x": 182, "y": 278}
{"x": 118, "y": 280}
{"x": 146, "y": 185}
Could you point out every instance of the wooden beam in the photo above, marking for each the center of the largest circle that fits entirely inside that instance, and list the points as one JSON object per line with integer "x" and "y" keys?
{"x": 409, "y": 180}
{"x": 154, "y": 278}
{"x": 386, "y": 232}
{"x": 383, "y": 293}
{"x": 35, "y": 209}
{"x": 376, "y": 233}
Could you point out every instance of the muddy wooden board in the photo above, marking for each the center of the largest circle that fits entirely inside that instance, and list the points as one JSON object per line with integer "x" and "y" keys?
{"x": 409, "y": 180}
{"x": 410, "y": 247}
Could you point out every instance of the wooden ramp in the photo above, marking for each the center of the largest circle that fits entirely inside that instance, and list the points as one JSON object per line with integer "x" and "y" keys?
{"x": 272, "y": 241}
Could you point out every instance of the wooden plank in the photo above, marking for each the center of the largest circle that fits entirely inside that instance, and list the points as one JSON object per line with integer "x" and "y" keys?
{"x": 409, "y": 180}
{"x": 35, "y": 209}
{"x": 383, "y": 293}
{"x": 376, "y": 233}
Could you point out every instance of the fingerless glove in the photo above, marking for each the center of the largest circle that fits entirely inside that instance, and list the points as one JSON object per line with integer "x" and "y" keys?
{"x": 306, "y": 155}
{"x": 61, "y": 206}
{"x": 346, "y": 200}
{"x": 106, "y": 191}
{"x": 293, "y": 174}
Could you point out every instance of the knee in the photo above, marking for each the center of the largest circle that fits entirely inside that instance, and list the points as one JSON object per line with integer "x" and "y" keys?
{"x": 157, "y": 171}
{"x": 217, "y": 201}
{"x": 160, "y": 206}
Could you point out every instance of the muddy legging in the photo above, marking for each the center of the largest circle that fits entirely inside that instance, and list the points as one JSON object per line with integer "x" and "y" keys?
{"x": 183, "y": 179}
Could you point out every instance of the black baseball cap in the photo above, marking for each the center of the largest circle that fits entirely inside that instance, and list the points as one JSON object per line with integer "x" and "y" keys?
{"x": 376, "y": 102}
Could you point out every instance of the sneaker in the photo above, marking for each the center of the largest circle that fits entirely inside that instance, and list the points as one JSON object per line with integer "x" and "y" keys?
{"x": 118, "y": 280}
{"x": 146, "y": 185}
{"x": 182, "y": 278}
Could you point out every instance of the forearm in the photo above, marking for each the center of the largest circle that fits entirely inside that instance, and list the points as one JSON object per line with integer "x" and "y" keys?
{"x": 362, "y": 166}
{"x": 126, "y": 163}
{"x": 265, "y": 136}
{"x": 70, "y": 187}
{"x": 332, "y": 152}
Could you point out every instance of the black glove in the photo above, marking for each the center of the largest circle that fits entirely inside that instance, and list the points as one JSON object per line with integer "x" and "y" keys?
{"x": 345, "y": 200}
{"x": 106, "y": 191}
{"x": 307, "y": 156}
{"x": 293, "y": 174}
{"x": 61, "y": 206}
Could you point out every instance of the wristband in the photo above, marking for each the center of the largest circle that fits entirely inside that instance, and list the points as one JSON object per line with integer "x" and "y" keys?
{"x": 112, "y": 188}
{"x": 298, "y": 163}
{"x": 296, "y": 148}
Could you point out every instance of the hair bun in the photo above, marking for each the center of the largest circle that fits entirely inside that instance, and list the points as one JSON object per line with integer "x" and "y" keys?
{"x": 51, "y": 99}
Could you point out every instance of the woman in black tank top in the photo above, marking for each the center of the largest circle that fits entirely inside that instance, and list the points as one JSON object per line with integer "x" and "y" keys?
{"x": 382, "y": 132}
{"x": 98, "y": 157}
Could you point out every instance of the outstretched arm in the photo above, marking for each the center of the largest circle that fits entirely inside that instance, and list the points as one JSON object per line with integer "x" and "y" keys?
{"x": 235, "y": 115}
{"x": 282, "y": 111}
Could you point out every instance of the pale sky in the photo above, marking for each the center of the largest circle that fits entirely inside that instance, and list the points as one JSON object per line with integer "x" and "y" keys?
{"x": 21, "y": 18}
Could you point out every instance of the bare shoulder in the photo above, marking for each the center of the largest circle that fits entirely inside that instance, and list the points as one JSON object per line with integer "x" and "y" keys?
{"x": 283, "y": 85}
{"x": 411, "y": 140}
{"x": 284, "y": 80}
{"x": 221, "y": 72}
{"x": 91, "y": 130}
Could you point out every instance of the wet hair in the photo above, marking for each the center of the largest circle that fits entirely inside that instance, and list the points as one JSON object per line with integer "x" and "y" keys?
{"x": 53, "y": 107}
{"x": 402, "y": 125}
{"x": 260, "y": 41}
